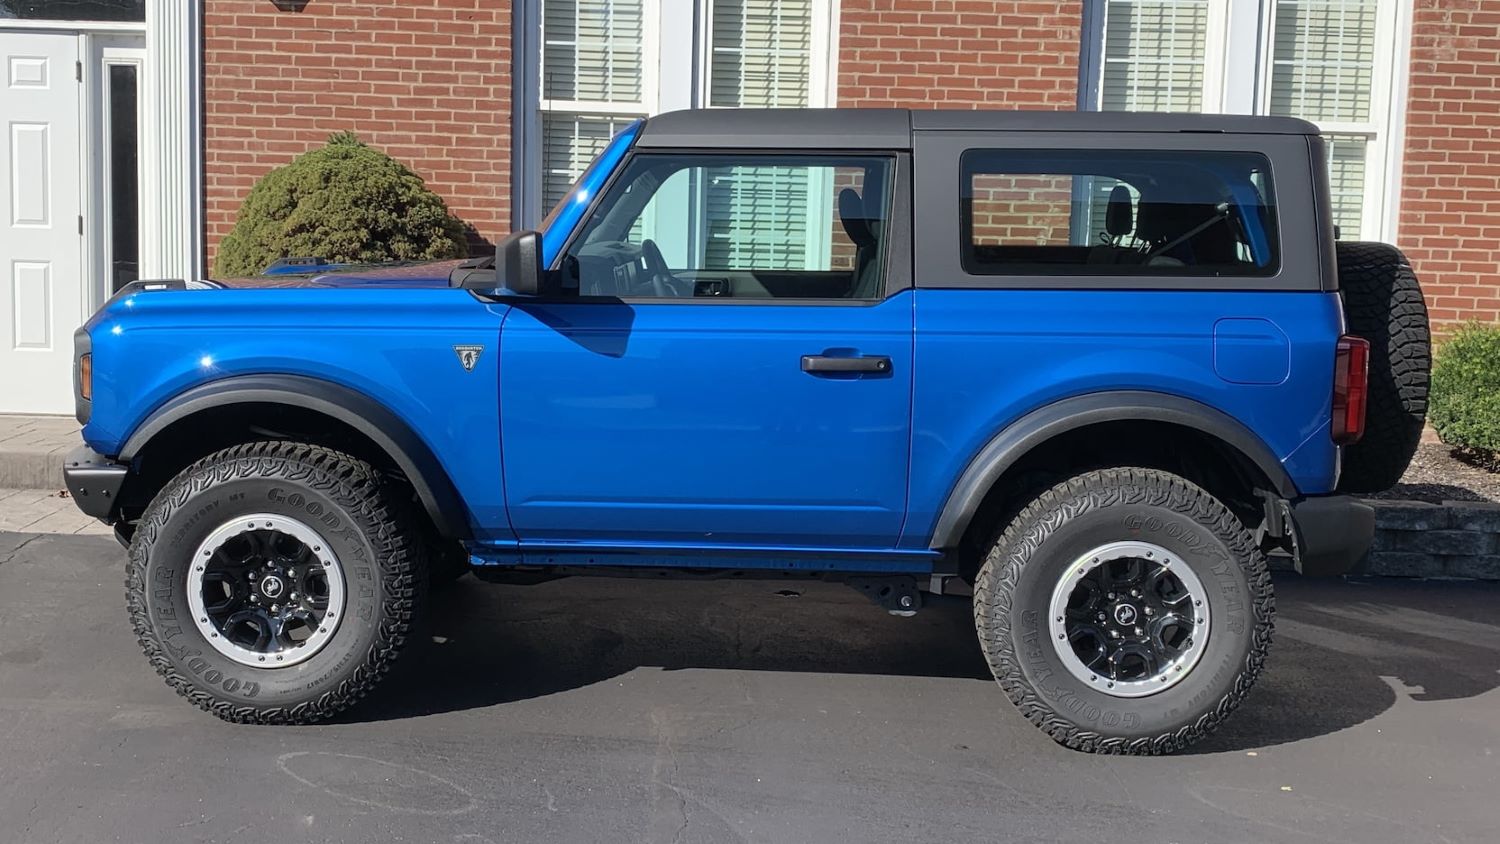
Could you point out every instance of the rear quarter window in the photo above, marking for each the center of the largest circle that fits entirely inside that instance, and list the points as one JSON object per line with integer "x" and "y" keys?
{"x": 1118, "y": 213}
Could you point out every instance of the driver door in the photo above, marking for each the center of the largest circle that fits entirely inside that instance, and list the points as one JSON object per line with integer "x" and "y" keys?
{"x": 728, "y": 369}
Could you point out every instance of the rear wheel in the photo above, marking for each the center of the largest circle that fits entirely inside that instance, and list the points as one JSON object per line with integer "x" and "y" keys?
{"x": 1383, "y": 304}
{"x": 1125, "y": 611}
{"x": 274, "y": 582}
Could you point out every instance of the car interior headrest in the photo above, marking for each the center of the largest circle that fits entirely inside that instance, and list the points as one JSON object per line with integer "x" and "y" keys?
{"x": 852, "y": 215}
{"x": 1119, "y": 215}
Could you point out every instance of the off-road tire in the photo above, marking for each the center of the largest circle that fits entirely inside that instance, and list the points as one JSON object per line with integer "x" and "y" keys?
{"x": 367, "y": 525}
{"x": 1383, "y": 304}
{"x": 1013, "y": 591}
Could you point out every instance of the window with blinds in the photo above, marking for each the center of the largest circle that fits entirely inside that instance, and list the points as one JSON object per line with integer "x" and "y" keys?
{"x": 761, "y": 58}
{"x": 593, "y": 83}
{"x": 1323, "y": 69}
{"x": 762, "y": 53}
{"x": 1153, "y": 57}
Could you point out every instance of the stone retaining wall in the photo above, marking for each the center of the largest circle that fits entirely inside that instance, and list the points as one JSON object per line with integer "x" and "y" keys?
{"x": 1453, "y": 539}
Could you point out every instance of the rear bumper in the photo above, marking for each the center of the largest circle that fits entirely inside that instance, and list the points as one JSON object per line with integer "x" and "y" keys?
{"x": 1331, "y": 534}
{"x": 94, "y": 481}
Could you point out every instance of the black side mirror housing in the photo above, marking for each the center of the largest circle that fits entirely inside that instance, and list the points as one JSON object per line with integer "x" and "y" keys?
{"x": 518, "y": 263}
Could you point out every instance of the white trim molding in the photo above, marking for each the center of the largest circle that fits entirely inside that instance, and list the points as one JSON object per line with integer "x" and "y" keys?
{"x": 172, "y": 142}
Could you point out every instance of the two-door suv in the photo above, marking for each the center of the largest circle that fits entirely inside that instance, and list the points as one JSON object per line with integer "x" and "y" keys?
{"x": 1092, "y": 369}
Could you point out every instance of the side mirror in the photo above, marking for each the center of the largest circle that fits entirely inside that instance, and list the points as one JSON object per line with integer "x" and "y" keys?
{"x": 518, "y": 263}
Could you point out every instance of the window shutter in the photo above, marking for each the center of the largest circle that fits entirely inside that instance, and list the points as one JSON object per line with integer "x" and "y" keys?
{"x": 762, "y": 53}
{"x": 1154, "y": 55}
{"x": 592, "y": 50}
{"x": 1323, "y": 70}
{"x": 569, "y": 143}
{"x": 757, "y": 218}
{"x": 1323, "y": 63}
{"x": 592, "y": 60}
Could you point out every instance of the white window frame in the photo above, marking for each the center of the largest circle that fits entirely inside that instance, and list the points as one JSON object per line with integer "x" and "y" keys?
{"x": 1237, "y": 80}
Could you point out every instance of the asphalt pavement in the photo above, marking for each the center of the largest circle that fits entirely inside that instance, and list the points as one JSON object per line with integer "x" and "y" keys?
{"x": 593, "y": 710}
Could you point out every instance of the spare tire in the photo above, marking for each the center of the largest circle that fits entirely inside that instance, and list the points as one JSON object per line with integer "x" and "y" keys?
{"x": 1384, "y": 305}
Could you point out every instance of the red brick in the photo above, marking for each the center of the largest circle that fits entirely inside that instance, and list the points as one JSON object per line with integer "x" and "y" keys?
{"x": 428, "y": 83}
{"x": 1450, "y": 192}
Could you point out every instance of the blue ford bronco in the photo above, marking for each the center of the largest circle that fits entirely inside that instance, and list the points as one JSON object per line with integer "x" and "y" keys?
{"x": 1091, "y": 369}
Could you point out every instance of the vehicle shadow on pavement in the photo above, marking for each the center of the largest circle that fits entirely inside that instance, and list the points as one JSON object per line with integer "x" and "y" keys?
{"x": 1346, "y": 651}
{"x": 1343, "y": 650}
{"x": 495, "y": 644}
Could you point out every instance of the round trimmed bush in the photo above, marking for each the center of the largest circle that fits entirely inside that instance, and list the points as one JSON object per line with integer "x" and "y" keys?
{"x": 345, "y": 202}
{"x": 1466, "y": 391}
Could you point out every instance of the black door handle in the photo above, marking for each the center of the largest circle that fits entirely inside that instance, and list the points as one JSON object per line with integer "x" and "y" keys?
{"x": 824, "y": 363}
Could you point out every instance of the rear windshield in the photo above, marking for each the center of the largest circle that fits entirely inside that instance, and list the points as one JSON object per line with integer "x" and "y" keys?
{"x": 1121, "y": 212}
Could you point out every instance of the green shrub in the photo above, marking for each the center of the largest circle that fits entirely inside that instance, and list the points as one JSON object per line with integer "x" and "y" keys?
{"x": 1465, "y": 402}
{"x": 345, "y": 202}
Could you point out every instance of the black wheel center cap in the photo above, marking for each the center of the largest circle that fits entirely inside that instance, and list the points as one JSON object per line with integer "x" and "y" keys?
{"x": 1125, "y": 614}
{"x": 272, "y": 586}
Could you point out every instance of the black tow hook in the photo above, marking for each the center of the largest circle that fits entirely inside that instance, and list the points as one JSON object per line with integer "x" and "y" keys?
{"x": 896, "y": 594}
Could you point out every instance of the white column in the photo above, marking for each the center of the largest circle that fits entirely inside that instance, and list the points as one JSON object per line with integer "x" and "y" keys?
{"x": 172, "y": 143}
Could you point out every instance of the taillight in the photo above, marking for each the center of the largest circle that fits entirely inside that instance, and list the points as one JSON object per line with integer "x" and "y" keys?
{"x": 1351, "y": 389}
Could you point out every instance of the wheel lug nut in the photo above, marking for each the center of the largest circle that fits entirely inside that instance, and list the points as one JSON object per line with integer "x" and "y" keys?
{"x": 275, "y": 608}
{"x": 1139, "y": 631}
{"x": 1135, "y": 593}
{"x": 1150, "y": 611}
{"x": 253, "y": 575}
{"x": 1102, "y": 616}
{"x": 1114, "y": 634}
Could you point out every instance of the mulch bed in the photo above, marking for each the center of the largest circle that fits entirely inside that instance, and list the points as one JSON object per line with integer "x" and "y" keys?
{"x": 1438, "y": 473}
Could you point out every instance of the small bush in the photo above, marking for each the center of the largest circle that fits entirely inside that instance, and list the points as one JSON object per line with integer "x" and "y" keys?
{"x": 1465, "y": 402}
{"x": 345, "y": 202}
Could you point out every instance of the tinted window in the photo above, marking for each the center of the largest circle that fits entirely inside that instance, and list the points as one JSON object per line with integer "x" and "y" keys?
{"x": 74, "y": 10}
{"x": 1117, "y": 213}
{"x": 706, "y": 226}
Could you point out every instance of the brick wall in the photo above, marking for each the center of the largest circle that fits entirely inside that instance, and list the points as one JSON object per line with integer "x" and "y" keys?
{"x": 427, "y": 83}
{"x": 1450, "y": 193}
{"x": 959, "y": 53}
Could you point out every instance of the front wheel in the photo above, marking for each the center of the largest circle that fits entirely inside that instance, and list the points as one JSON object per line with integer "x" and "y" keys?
{"x": 1125, "y": 611}
{"x": 274, "y": 582}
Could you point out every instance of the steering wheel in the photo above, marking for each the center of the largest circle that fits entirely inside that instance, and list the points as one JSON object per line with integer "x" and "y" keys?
{"x": 656, "y": 267}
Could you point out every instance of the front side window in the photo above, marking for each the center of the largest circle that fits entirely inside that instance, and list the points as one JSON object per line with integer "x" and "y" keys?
{"x": 1126, "y": 212}
{"x": 744, "y": 227}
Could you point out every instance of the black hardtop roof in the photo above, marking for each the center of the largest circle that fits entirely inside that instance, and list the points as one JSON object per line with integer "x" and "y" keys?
{"x": 892, "y": 128}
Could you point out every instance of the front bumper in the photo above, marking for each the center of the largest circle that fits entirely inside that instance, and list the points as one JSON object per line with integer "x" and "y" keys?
{"x": 94, "y": 481}
{"x": 1330, "y": 535}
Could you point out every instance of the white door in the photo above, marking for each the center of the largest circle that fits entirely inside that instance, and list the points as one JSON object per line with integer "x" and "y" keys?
{"x": 41, "y": 284}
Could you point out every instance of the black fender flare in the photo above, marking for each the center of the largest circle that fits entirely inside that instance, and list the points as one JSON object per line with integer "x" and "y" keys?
{"x": 359, "y": 411}
{"x": 1048, "y": 421}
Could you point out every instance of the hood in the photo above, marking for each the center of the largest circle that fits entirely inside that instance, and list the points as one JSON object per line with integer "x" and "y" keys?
{"x": 427, "y": 274}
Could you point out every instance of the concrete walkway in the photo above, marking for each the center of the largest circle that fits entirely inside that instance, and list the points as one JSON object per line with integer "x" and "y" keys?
{"x": 44, "y": 511}
{"x": 32, "y": 449}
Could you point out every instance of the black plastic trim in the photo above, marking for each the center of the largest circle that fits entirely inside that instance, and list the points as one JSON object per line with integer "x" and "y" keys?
{"x": 1044, "y": 423}
{"x": 1330, "y": 534}
{"x": 83, "y": 344}
{"x": 357, "y": 410}
{"x": 94, "y": 481}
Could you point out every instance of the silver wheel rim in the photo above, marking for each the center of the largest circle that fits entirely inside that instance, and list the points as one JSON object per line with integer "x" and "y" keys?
{"x": 1129, "y": 619}
{"x": 266, "y": 591}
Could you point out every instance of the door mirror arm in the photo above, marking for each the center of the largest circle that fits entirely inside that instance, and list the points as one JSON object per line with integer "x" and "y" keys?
{"x": 515, "y": 269}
